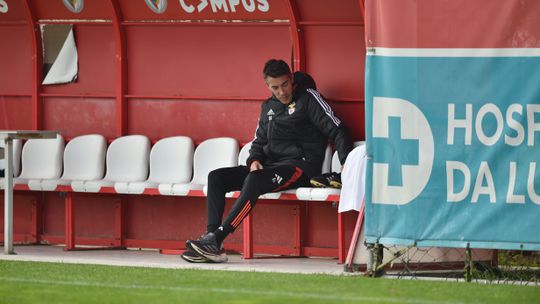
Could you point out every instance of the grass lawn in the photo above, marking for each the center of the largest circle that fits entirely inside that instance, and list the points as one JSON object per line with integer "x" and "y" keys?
{"x": 33, "y": 282}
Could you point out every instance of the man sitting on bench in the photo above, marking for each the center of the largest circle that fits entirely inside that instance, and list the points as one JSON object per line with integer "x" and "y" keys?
{"x": 288, "y": 150}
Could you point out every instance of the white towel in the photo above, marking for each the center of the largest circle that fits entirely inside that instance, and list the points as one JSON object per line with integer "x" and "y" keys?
{"x": 353, "y": 180}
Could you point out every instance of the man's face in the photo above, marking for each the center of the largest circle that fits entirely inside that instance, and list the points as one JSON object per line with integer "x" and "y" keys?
{"x": 281, "y": 87}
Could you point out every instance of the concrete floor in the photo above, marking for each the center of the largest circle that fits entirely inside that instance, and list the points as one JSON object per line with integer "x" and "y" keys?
{"x": 152, "y": 258}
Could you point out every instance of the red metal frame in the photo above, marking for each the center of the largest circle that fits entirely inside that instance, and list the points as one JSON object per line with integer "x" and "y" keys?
{"x": 195, "y": 23}
{"x": 248, "y": 247}
{"x": 298, "y": 231}
{"x": 298, "y": 248}
{"x": 15, "y": 95}
{"x": 362, "y": 8}
{"x": 297, "y": 37}
{"x": 13, "y": 22}
{"x": 248, "y": 236}
{"x": 75, "y": 22}
{"x": 36, "y": 219}
{"x": 356, "y": 235}
{"x": 76, "y": 95}
{"x": 341, "y": 239}
{"x": 119, "y": 222}
{"x": 121, "y": 69}
{"x": 192, "y": 97}
{"x": 69, "y": 222}
{"x": 37, "y": 62}
{"x": 331, "y": 23}
{"x": 70, "y": 240}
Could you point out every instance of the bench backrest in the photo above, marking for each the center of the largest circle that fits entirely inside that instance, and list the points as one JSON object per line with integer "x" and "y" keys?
{"x": 212, "y": 154}
{"x": 17, "y": 147}
{"x": 84, "y": 158}
{"x": 127, "y": 159}
{"x": 171, "y": 160}
{"x": 42, "y": 158}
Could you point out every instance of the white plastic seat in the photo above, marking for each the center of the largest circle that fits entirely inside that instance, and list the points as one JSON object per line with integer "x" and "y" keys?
{"x": 211, "y": 154}
{"x": 41, "y": 160}
{"x": 17, "y": 147}
{"x": 84, "y": 160}
{"x": 244, "y": 154}
{"x": 277, "y": 195}
{"x": 171, "y": 162}
{"x": 126, "y": 161}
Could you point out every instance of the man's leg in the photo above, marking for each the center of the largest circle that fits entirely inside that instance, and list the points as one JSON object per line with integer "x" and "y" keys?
{"x": 221, "y": 181}
{"x": 259, "y": 182}
{"x": 256, "y": 183}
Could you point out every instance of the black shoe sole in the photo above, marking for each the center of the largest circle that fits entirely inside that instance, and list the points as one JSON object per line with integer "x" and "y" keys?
{"x": 211, "y": 257}
{"x": 198, "y": 259}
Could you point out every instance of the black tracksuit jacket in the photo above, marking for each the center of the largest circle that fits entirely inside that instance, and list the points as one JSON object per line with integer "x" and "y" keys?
{"x": 297, "y": 134}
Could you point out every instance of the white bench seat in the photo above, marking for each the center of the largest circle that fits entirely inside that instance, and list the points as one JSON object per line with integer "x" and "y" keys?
{"x": 211, "y": 154}
{"x": 171, "y": 162}
{"x": 84, "y": 160}
{"x": 126, "y": 162}
{"x": 41, "y": 160}
{"x": 17, "y": 147}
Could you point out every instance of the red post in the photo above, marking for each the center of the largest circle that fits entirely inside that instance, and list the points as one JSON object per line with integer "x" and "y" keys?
{"x": 298, "y": 229}
{"x": 70, "y": 227}
{"x": 341, "y": 239}
{"x": 362, "y": 9}
{"x": 248, "y": 237}
{"x": 121, "y": 74}
{"x": 119, "y": 222}
{"x": 37, "y": 66}
{"x": 358, "y": 229}
{"x": 297, "y": 37}
{"x": 36, "y": 221}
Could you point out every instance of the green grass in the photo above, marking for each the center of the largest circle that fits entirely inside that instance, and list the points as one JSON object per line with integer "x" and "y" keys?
{"x": 33, "y": 282}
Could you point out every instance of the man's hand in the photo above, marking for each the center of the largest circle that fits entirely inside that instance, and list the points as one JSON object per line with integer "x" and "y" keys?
{"x": 255, "y": 165}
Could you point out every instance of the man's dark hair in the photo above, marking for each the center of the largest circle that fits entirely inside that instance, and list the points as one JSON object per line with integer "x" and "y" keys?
{"x": 276, "y": 68}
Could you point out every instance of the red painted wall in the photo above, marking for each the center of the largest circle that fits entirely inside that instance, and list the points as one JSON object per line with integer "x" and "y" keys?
{"x": 201, "y": 79}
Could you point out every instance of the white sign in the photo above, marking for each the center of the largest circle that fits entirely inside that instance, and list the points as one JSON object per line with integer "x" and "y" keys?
{"x": 75, "y": 6}
{"x": 414, "y": 126}
{"x": 227, "y": 5}
{"x": 199, "y": 6}
{"x": 157, "y": 6}
{"x": 3, "y": 6}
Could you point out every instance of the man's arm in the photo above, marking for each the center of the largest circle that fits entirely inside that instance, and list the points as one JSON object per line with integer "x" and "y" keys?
{"x": 323, "y": 117}
{"x": 256, "y": 153}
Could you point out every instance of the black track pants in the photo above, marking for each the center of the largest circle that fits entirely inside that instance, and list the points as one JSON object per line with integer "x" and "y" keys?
{"x": 251, "y": 184}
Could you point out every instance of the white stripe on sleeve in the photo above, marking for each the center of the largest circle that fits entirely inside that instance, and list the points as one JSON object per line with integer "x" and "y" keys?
{"x": 325, "y": 106}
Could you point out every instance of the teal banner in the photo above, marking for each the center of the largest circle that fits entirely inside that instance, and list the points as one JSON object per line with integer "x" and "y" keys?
{"x": 453, "y": 148}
